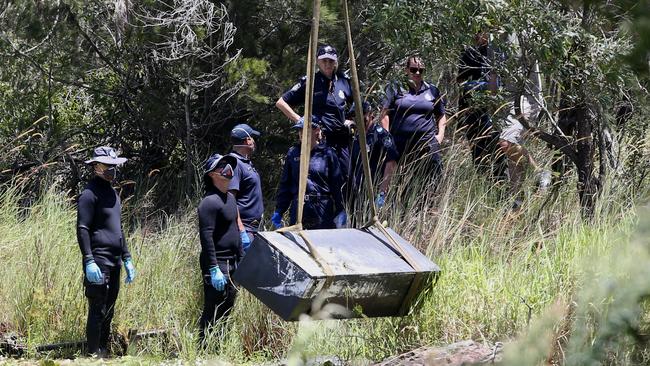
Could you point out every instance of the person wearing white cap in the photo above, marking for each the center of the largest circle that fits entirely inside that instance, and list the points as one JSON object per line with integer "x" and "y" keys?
{"x": 221, "y": 247}
{"x": 332, "y": 97}
{"x": 103, "y": 247}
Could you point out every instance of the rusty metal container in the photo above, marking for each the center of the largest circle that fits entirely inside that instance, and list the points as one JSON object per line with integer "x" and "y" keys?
{"x": 368, "y": 276}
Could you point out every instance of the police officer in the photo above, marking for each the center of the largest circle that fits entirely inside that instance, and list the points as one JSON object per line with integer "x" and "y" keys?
{"x": 476, "y": 78}
{"x": 103, "y": 247}
{"x": 332, "y": 95}
{"x": 414, "y": 113}
{"x": 220, "y": 238}
{"x": 323, "y": 205}
{"x": 382, "y": 156}
{"x": 245, "y": 184}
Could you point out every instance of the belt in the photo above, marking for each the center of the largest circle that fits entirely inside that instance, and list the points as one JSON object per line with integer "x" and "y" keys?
{"x": 255, "y": 223}
{"x": 316, "y": 197}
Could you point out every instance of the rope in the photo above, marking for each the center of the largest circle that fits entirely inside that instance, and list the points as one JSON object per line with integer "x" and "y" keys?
{"x": 358, "y": 115}
{"x": 359, "y": 120}
{"x": 305, "y": 145}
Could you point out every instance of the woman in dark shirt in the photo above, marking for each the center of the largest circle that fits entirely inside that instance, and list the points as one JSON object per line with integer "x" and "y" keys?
{"x": 221, "y": 246}
{"x": 332, "y": 96}
{"x": 414, "y": 113}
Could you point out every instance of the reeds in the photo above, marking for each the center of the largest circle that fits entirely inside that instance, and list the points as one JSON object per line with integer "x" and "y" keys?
{"x": 501, "y": 271}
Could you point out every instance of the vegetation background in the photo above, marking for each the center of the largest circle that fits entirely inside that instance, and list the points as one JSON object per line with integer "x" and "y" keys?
{"x": 164, "y": 81}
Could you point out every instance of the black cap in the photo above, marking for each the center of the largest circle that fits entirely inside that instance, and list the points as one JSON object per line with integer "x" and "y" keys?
{"x": 215, "y": 160}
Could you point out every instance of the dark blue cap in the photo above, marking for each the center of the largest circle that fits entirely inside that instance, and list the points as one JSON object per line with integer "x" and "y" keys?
{"x": 242, "y": 131}
{"x": 315, "y": 122}
{"x": 106, "y": 155}
{"x": 327, "y": 51}
{"x": 216, "y": 159}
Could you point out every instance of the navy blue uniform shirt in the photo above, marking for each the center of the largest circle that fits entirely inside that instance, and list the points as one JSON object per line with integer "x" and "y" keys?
{"x": 246, "y": 181}
{"x": 324, "y": 182}
{"x": 218, "y": 229}
{"x": 381, "y": 148}
{"x": 99, "y": 228}
{"x": 331, "y": 97}
{"x": 414, "y": 111}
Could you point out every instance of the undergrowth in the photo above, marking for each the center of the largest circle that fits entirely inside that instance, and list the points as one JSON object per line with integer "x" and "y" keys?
{"x": 541, "y": 271}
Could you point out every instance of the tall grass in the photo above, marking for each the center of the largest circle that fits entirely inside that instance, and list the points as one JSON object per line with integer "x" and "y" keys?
{"x": 501, "y": 270}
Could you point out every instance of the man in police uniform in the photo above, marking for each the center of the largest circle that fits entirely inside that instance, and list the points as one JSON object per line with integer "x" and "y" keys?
{"x": 382, "y": 157}
{"x": 245, "y": 184}
{"x": 332, "y": 96}
{"x": 103, "y": 247}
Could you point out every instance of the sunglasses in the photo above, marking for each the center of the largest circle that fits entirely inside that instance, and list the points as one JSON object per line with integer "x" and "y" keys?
{"x": 226, "y": 170}
{"x": 415, "y": 70}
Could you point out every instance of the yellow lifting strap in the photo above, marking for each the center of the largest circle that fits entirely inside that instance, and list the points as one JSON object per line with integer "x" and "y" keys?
{"x": 305, "y": 151}
{"x": 305, "y": 145}
{"x": 361, "y": 128}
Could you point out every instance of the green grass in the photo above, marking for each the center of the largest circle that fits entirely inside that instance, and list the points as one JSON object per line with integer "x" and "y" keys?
{"x": 502, "y": 272}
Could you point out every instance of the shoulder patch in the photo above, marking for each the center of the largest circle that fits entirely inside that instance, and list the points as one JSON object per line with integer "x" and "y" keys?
{"x": 295, "y": 87}
{"x": 341, "y": 94}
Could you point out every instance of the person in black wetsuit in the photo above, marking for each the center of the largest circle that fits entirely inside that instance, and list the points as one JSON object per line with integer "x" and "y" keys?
{"x": 103, "y": 247}
{"x": 476, "y": 78}
{"x": 332, "y": 96}
{"x": 323, "y": 207}
{"x": 221, "y": 246}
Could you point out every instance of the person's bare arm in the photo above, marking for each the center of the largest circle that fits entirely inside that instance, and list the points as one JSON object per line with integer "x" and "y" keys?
{"x": 286, "y": 109}
{"x": 384, "y": 119}
{"x": 442, "y": 124}
{"x": 389, "y": 169}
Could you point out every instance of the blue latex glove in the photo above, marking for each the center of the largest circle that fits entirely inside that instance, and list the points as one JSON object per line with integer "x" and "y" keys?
{"x": 380, "y": 201}
{"x": 217, "y": 278}
{"x": 130, "y": 271}
{"x": 245, "y": 240}
{"x": 276, "y": 219}
{"x": 94, "y": 274}
{"x": 341, "y": 219}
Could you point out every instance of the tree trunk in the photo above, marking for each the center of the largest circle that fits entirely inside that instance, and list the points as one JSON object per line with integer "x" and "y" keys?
{"x": 189, "y": 169}
{"x": 588, "y": 184}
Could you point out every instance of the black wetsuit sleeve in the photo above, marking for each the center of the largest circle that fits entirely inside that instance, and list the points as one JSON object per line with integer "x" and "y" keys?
{"x": 125, "y": 248}
{"x": 85, "y": 215}
{"x": 464, "y": 67}
{"x": 208, "y": 210}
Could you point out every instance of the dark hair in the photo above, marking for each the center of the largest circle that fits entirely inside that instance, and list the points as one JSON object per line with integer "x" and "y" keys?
{"x": 208, "y": 186}
{"x": 413, "y": 58}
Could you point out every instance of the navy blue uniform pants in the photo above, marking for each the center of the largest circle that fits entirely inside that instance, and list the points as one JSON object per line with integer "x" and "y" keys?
{"x": 340, "y": 142}
{"x": 318, "y": 212}
{"x": 217, "y": 304}
{"x": 101, "y": 308}
{"x": 423, "y": 154}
